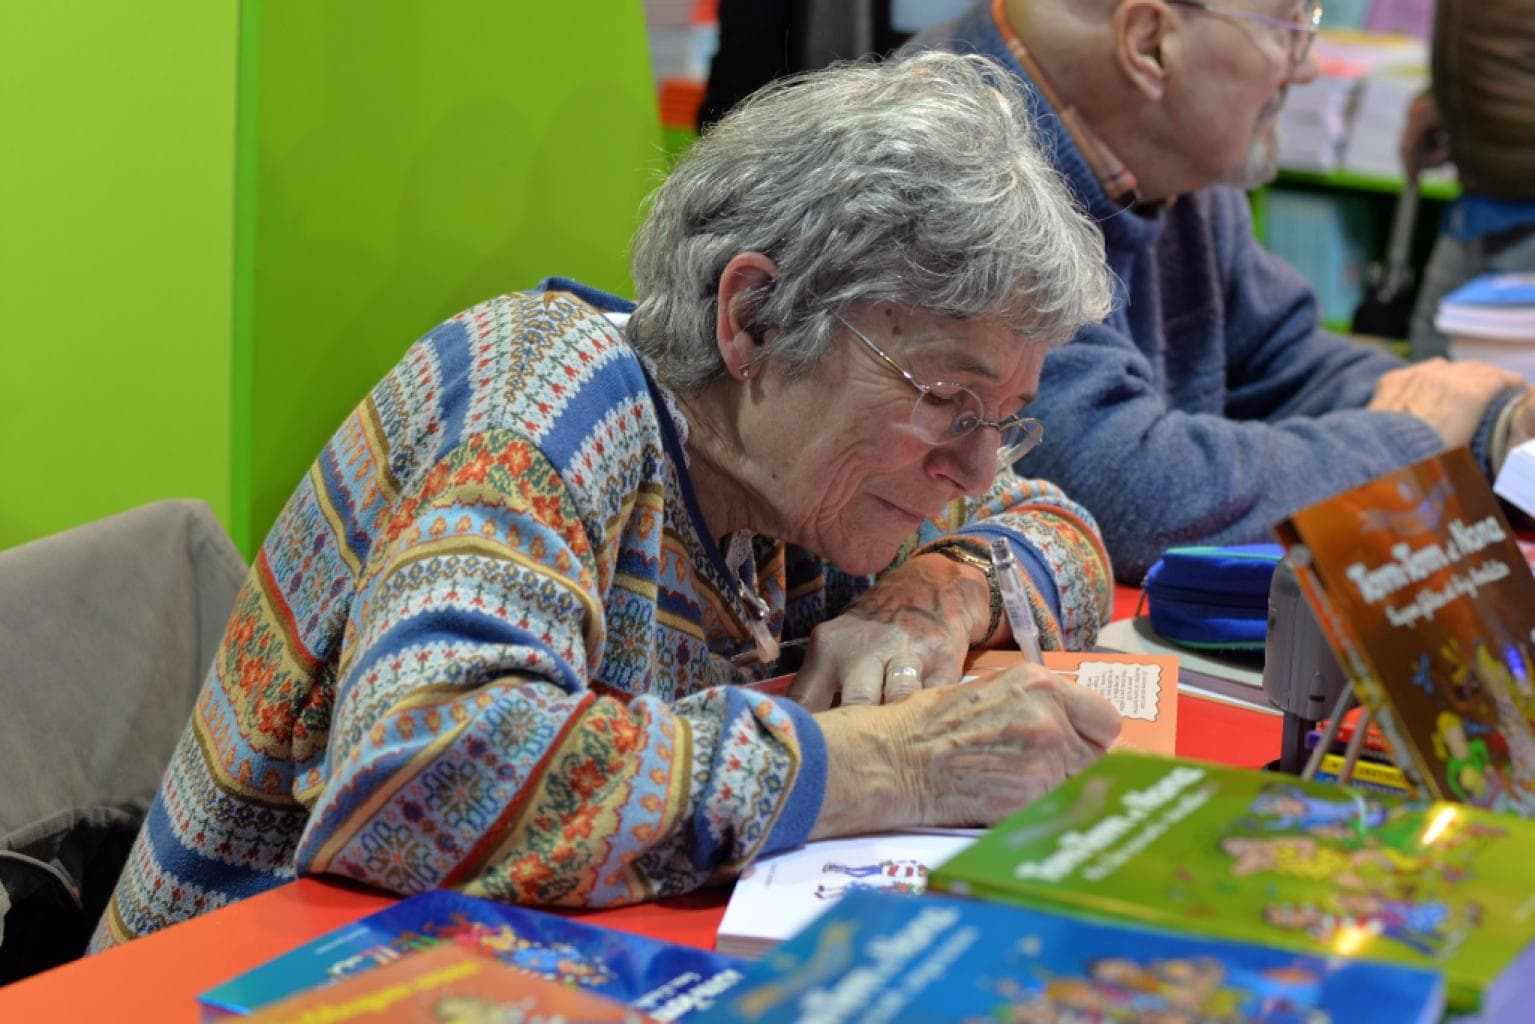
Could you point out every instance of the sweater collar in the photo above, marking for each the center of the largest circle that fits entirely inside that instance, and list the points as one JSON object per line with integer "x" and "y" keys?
{"x": 976, "y": 31}
{"x": 1114, "y": 178}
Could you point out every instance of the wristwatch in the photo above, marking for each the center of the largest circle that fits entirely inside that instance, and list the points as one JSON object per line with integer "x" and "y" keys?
{"x": 974, "y": 553}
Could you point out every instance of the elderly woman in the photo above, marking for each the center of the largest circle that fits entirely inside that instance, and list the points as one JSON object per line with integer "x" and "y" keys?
{"x": 497, "y": 638}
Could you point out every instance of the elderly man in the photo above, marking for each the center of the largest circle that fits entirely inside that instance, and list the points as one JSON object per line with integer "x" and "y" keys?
{"x": 1208, "y": 405}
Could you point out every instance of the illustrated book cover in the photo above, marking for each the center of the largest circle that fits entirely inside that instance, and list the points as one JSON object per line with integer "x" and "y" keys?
{"x": 777, "y": 896}
{"x": 876, "y": 957}
{"x": 661, "y": 979}
{"x": 1429, "y": 604}
{"x": 1262, "y": 857}
{"x": 447, "y": 984}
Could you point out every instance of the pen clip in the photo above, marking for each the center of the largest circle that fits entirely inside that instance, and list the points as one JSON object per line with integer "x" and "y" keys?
{"x": 756, "y": 623}
{"x": 1015, "y": 600}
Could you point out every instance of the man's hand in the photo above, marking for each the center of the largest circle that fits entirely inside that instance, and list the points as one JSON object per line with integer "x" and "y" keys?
{"x": 959, "y": 755}
{"x": 1450, "y": 397}
{"x": 912, "y": 629}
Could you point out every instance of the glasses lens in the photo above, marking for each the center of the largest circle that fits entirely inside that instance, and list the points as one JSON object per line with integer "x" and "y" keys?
{"x": 1310, "y": 16}
{"x": 945, "y": 413}
{"x": 1018, "y": 439}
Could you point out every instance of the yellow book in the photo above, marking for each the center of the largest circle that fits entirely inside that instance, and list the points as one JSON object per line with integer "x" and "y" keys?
{"x": 1366, "y": 774}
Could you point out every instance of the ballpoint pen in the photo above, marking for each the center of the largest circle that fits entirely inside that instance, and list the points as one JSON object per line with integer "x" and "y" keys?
{"x": 1010, "y": 583}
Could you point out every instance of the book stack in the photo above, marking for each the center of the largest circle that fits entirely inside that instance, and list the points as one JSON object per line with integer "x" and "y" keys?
{"x": 1391, "y": 70}
{"x": 1492, "y": 318}
{"x": 1314, "y": 121}
{"x": 1254, "y": 857}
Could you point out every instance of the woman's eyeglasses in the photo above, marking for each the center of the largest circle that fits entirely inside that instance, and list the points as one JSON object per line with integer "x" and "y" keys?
{"x": 943, "y": 412}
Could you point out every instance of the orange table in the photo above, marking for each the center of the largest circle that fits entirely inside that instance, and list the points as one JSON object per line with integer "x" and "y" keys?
{"x": 158, "y": 977}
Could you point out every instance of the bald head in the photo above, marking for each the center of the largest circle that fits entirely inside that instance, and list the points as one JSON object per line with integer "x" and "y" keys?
{"x": 1185, "y": 96}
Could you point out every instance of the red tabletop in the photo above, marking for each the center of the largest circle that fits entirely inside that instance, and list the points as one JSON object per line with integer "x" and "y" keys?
{"x": 158, "y": 977}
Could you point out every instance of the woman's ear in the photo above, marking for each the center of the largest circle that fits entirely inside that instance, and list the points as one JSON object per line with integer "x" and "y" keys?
{"x": 1144, "y": 30}
{"x": 746, "y": 273}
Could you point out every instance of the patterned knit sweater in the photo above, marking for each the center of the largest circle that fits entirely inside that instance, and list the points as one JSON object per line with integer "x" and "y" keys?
{"x": 487, "y": 646}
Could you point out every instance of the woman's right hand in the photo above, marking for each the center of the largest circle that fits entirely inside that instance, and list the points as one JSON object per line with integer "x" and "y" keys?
{"x": 968, "y": 754}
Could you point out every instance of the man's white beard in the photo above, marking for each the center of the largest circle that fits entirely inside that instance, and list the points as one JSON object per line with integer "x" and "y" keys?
{"x": 1261, "y": 161}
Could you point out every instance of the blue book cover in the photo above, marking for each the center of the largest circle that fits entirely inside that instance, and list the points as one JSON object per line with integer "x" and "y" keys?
{"x": 1495, "y": 290}
{"x": 875, "y": 957}
{"x": 664, "y": 980}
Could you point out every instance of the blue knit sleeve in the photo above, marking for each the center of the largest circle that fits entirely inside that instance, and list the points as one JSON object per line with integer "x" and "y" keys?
{"x": 1210, "y": 406}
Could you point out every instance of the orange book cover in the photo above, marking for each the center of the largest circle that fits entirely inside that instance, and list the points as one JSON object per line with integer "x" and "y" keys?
{"x": 1426, "y": 598}
{"x": 448, "y": 982}
{"x": 1144, "y": 687}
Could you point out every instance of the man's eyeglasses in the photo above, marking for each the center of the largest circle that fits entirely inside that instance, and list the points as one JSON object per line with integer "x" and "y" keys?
{"x": 1301, "y": 29}
{"x": 943, "y": 412}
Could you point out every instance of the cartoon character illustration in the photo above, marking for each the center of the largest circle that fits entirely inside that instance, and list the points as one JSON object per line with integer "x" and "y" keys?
{"x": 1503, "y": 683}
{"x": 1468, "y": 767}
{"x": 824, "y": 891}
{"x": 560, "y": 961}
{"x": 1284, "y": 807}
{"x": 1174, "y": 990}
{"x": 1305, "y": 857}
{"x": 1426, "y": 927}
{"x": 896, "y": 868}
{"x": 902, "y": 875}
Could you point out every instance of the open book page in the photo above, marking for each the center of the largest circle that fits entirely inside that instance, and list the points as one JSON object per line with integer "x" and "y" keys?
{"x": 779, "y": 895}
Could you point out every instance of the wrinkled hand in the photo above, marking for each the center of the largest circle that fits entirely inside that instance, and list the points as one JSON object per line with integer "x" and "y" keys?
{"x": 911, "y": 630}
{"x": 969, "y": 754}
{"x": 1450, "y": 397}
{"x": 1423, "y": 143}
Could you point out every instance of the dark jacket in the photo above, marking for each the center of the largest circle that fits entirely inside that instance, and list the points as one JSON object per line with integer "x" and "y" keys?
{"x": 1484, "y": 85}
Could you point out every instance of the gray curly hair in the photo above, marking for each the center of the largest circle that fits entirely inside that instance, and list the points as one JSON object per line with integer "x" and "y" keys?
{"x": 915, "y": 183}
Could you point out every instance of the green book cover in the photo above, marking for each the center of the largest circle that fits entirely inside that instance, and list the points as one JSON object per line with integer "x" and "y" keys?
{"x": 1267, "y": 858}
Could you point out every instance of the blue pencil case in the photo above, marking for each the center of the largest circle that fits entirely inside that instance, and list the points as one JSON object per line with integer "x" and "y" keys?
{"x": 1212, "y": 597}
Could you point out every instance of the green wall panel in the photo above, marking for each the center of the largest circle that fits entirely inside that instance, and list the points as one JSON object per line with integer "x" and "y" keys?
{"x": 401, "y": 161}
{"x": 222, "y": 221}
{"x": 117, "y": 129}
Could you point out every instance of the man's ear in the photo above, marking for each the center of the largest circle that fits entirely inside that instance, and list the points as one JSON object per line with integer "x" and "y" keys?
{"x": 746, "y": 273}
{"x": 1144, "y": 33}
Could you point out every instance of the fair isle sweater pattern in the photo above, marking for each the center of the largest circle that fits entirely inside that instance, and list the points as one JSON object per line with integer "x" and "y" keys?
{"x": 485, "y": 646}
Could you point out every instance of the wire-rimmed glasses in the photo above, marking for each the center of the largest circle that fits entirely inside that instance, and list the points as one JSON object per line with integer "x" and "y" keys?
{"x": 944, "y": 412}
{"x": 1301, "y": 30}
